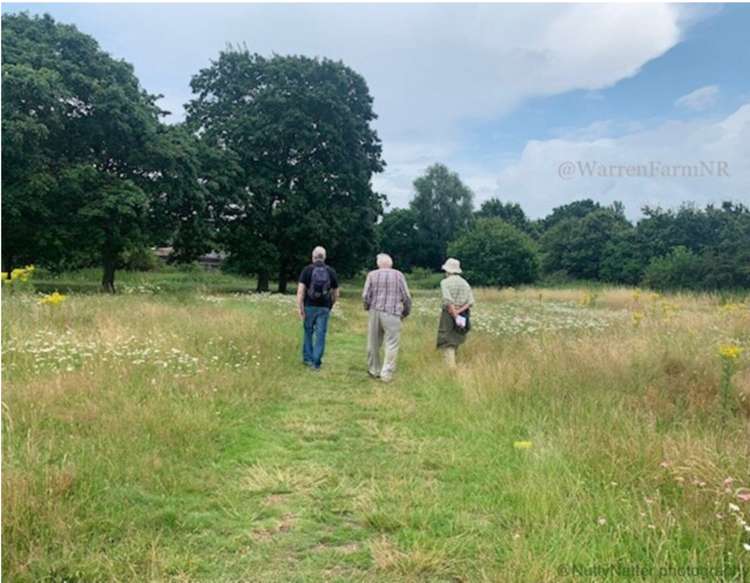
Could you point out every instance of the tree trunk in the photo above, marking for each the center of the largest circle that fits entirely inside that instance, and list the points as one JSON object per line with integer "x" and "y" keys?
{"x": 108, "y": 274}
{"x": 263, "y": 281}
{"x": 282, "y": 279}
{"x": 7, "y": 263}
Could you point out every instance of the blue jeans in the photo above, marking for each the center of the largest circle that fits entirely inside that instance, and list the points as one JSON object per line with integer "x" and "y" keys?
{"x": 316, "y": 326}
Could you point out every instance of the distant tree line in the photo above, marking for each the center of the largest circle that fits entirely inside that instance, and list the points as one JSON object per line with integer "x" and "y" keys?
{"x": 684, "y": 248}
{"x": 275, "y": 156}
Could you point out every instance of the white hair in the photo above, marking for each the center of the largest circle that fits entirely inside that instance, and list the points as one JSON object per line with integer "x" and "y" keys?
{"x": 384, "y": 261}
{"x": 319, "y": 254}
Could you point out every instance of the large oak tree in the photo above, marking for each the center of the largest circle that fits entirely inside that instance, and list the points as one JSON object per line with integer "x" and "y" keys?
{"x": 300, "y": 132}
{"x": 86, "y": 163}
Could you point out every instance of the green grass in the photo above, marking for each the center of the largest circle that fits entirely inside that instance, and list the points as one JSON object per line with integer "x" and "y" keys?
{"x": 165, "y": 279}
{"x": 190, "y": 279}
{"x": 124, "y": 459}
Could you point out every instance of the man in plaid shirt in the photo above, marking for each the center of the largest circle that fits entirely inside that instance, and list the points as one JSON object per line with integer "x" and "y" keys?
{"x": 386, "y": 296}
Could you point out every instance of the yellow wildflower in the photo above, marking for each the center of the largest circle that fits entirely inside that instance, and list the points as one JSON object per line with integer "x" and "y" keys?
{"x": 22, "y": 273}
{"x": 588, "y": 298}
{"x": 730, "y": 352}
{"x": 637, "y": 317}
{"x": 522, "y": 444}
{"x": 53, "y": 299}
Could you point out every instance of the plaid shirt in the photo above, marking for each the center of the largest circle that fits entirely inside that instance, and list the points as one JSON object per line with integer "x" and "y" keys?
{"x": 456, "y": 291}
{"x": 386, "y": 291}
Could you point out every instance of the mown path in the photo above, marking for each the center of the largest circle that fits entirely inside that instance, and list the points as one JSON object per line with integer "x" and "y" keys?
{"x": 325, "y": 474}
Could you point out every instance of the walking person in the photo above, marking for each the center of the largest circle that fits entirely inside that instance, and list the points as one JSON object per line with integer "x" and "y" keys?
{"x": 387, "y": 299}
{"x": 317, "y": 292}
{"x": 455, "y": 320}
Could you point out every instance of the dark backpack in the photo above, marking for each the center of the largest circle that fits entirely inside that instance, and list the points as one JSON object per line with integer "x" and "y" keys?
{"x": 320, "y": 283}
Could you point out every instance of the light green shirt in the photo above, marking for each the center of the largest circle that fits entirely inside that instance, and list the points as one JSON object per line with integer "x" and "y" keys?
{"x": 456, "y": 291}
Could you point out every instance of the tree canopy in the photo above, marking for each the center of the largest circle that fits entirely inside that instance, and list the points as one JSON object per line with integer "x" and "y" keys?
{"x": 510, "y": 212}
{"x": 300, "y": 130}
{"x": 397, "y": 236}
{"x": 576, "y": 246}
{"x": 496, "y": 253}
{"x": 84, "y": 153}
{"x": 442, "y": 207}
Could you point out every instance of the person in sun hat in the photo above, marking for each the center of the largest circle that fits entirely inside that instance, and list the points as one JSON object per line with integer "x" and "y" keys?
{"x": 454, "y": 322}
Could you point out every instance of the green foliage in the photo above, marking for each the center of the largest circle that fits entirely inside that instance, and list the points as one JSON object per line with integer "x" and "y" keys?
{"x": 299, "y": 131}
{"x": 574, "y": 210}
{"x": 85, "y": 157}
{"x": 510, "y": 212}
{"x": 496, "y": 253}
{"x": 195, "y": 177}
{"x": 443, "y": 210}
{"x": 397, "y": 236}
{"x": 140, "y": 259}
{"x": 578, "y": 246}
{"x": 622, "y": 260}
{"x": 720, "y": 236}
{"x": 421, "y": 278}
{"x": 679, "y": 269}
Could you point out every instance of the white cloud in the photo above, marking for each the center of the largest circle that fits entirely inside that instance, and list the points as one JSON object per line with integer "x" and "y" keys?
{"x": 439, "y": 65}
{"x": 406, "y": 161}
{"x": 700, "y": 99}
{"x": 429, "y": 66}
{"x": 534, "y": 178}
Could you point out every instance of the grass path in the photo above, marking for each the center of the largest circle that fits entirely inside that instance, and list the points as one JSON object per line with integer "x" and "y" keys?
{"x": 316, "y": 467}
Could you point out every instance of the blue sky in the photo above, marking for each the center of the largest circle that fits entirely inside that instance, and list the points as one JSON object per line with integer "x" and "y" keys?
{"x": 503, "y": 94}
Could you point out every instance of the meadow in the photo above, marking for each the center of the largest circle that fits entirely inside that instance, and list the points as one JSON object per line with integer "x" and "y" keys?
{"x": 587, "y": 435}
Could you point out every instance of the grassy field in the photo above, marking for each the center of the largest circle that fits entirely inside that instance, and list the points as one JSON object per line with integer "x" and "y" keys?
{"x": 165, "y": 279}
{"x": 161, "y": 437}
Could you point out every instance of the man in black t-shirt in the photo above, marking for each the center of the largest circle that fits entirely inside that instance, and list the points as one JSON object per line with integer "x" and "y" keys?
{"x": 317, "y": 292}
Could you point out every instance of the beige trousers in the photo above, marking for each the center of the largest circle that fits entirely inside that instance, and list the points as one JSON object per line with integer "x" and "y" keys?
{"x": 383, "y": 326}
{"x": 449, "y": 354}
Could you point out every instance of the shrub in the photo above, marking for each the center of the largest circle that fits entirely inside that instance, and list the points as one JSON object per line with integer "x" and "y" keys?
{"x": 139, "y": 259}
{"x": 494, "y": 252}
{"x": 680, "y": 269}
{"x": 421, "y": 278}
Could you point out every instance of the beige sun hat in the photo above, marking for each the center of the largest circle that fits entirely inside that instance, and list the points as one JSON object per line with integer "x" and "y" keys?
{"x": 452, "y": 266}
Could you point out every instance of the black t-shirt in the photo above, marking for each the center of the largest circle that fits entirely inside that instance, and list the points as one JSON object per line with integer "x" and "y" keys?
{"x": 306, "y": 277}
